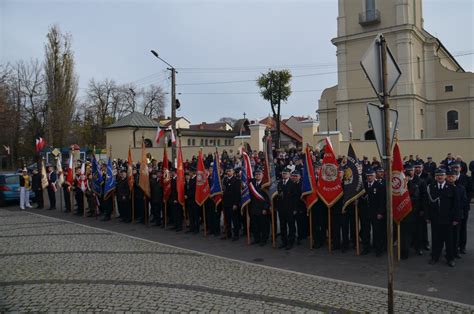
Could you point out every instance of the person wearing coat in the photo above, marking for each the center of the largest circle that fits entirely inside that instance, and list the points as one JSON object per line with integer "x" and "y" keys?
{"x": 259, "y": 210}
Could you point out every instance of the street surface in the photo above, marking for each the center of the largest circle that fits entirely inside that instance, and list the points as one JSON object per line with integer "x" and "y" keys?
{"x": 53, "y": 261}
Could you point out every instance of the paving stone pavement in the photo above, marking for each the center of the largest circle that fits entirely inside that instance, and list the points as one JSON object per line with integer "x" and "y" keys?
{"x": 48, "y": 265}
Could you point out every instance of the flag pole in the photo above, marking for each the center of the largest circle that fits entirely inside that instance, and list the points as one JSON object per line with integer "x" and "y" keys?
{"x": 311, "y": 240}
{"x": 165, "y": 218}
{"x": 204, "y": 218}
{"x": 357, "y": 227}
{"x": 329, "y": 231}
{"x": 248, "y": 224}
{"x": 273, "y": 227}
{"x": 399, "y": 245}
{"x": 133, "y": 204}
{"x": 145, "y": 210}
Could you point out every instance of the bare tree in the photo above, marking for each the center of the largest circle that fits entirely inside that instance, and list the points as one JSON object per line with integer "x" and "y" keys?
{"x": 153, "y": 102}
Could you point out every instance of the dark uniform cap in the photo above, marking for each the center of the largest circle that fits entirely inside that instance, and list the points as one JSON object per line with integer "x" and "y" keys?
{"x": 455, "y": 164}
{"x": 370, "y": 172}
{"x": 258, "y": 170}
{"x": 286, "y": 170}
{"x": 229, "y": 167}
{"x": 417, "y": 164}
{"x": 440, "y": 171}
{"x": 451, "y": 172}
{"x": 296, "y": 173}
{"x": 380, "y": 169}
{"x": 408, "y": 167}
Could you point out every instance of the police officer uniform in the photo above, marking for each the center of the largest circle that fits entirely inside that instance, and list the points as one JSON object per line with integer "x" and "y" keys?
{"x": 259, "y": 212}
{"x": 124, "y": 197}
{"x": 231, "y": 203}
{"x": 287, "y": 193}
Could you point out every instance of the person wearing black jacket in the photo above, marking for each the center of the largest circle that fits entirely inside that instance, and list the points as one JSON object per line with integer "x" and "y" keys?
{"x": 259, "y": 210}
{"x": 212, "y": 216}
{"x": 78, "y": 193}
{"x": 138, "y": 196}
{"x": 287, "y": 194}
{"x": 124, "y": 197}
{"x": 193, "y": 209}
{"x": 444, "y": 213}
{"x": 301, "y": 216}
{"x": 156, "y": 190}
{"x": 175, "y": 206}
{"x": 231, "y": 203}
{"x": 462, "y": 180}
{"x": 37, "y": 188}
{"x": 408, "y": 222}
{"x": 372, "y": 215}
{"x": 429, "y": 166}
{"x": 52, "y": 177}
{"x": 422, "y": 179}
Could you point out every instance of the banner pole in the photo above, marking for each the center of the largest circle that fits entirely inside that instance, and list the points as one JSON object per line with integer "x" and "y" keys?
{"x": 273, "y": 228}
{"x": 165, "y": 218}
{"x": 329, "y": 231}
{"x": 84, "y": 199}
{"x": 133, "y": 205}
{"x": 357, "y": 227}
{"x": 248, "y": 224}
{"x": 311, "y": 240}
{"x": 399, "y": 245}
{"x": 204, "y": 219}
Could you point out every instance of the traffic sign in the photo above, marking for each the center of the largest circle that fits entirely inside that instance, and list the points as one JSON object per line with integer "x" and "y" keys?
{"x": 372, "y": 65}
{"x": 376, "y": 115}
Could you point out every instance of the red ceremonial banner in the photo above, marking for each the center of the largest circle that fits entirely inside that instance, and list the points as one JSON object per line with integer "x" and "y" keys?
{"x": 166, "y": 180}
{"x": 401, "y": 201}
{"x": 329, "y": 182}
{"x": 180, "y": 179}
{"x": 203, "y": 191}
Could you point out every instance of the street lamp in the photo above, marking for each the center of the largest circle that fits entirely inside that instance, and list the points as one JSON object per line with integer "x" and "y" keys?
{"x": 173, "y": 99}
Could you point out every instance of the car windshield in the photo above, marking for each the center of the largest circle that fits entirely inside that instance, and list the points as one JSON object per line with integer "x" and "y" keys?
{"x": 12, "y": 180}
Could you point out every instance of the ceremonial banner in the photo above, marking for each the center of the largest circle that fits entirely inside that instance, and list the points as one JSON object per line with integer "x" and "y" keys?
{"x": 401, "y": 201}
{"x": 166, "y": 181}
{"x": 245, "y": 178}
{"x": 269, "y": 169}
{"x": 159, "y": 134}
{"x": 144, "y": 179}
{"x": 353, "y": 185}
{"x": 308, "y": 187}
{"x": 70, "y": 172}
{"x": 180, "y": 179}
{"x": 97, "y": 178}
{"x": 109, "y": 187}
{"x": 83, "y": 178}
{"x": 59, "y": 168}
{"x": 44, "y": 176}
{"x": 202, "y": 184}
{"x": 329, "y": 183}
{"x": 131, "y": 181}
{"x": 216, "y": 186}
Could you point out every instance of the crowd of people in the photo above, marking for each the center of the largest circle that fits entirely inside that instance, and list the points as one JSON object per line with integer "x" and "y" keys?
{"x": 440, "y": 196}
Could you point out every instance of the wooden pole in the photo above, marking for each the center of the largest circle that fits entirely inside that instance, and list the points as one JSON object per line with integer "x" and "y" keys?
{"x": 273, "y": 228}
{"x": 311, "y": 240}
{"x": 165, "y": 218}
{"x": 204, "y": 219}
{"x": 84, "y": 199}
{"x": 248, "y": 224}
{"x": 357, "y": 227}
{"x": 399, "y": 245}
{"x": 133, "y": 205}
{"x": 329, "y": 231}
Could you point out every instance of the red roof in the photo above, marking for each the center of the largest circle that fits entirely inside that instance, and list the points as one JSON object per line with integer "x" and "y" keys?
{"x": 218, "y": 126}
{"x": 284, "y": 128}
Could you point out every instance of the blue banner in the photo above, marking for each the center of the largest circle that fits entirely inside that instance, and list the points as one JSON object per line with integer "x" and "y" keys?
{"x": 97, "y": 178}
{"x": 109, "y": 181}
{"x": 216, "y": 185}
{"x": 352, "y": 183}
{"x": 244, "y": 191}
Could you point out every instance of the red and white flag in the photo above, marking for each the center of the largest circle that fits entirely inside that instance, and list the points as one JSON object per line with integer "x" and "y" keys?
{"x": 159, "y": 134}
{"x": 401, "y": 201}
{"x": 39, "y": 143}
{"x": 70, "y": 172}
{"x": 83, "y": 178}
{"x": 173, "y": 139}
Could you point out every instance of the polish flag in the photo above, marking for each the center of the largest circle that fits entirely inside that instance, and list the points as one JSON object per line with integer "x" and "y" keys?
{"x": 40, "y": 143}
{"x": 159, "y": 134}
{"x": 173, "y": 139}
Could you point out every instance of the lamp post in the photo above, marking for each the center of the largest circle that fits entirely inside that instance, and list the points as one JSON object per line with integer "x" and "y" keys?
{"x": 173, "y": 99}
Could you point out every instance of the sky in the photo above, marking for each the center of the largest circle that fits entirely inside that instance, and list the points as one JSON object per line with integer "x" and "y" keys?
{"x": 209, "y": 42}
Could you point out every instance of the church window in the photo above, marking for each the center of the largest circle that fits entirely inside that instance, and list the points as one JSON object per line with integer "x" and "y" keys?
{"x": 189, "y": 142}
{"x": 453, "y": 122}
{"x": 448, "y": 88}
{"x": 418, "y": 60}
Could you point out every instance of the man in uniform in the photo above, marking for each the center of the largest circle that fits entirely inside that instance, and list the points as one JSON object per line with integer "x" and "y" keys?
{"x": 408, "y": 223}
{"x": 138, "y": 197}
{"x": 78, "y": 193}
{"x": 287, "y": 193}
{"x": 462, "y": 180}
{"x": 194, "y": 208}
{"x": 124, "y": 197}
{"x": 231, "y": 203}
{"x": 52, "y": 177}
{"x": 372, "y": 214}
{"x": 444, "y": 213}
{"x": 37, "y": 188}
{"x": 300, "y": 212}
{"x": 430, "y": 166}
{"x": 259, "y": 210}
{"x": 422, "y": 179}
{"x": 156, "y": 196}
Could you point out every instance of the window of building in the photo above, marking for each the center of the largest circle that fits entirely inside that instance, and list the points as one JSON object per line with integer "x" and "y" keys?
{"x": 189, "y": 142}
{"x": 422, "y": 134}
{"x": 453, "y": 122}
{"x": 448, "y": 88}
{"x": 369, "y": 5}
{"x": 202, "y": 142}
{"x": 421, "y": 111}
{"x": 418, "y": 61}
{"x": 194, "y": 142}
{"x": 206, "y": 143}
{"x": 219, "y": 142}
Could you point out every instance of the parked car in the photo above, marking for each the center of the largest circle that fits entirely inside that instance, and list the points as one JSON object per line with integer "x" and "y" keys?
{"x": 10, "y": 188}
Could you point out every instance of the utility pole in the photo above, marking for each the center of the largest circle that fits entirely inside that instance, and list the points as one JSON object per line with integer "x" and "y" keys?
{"x": 388, "y": 172}
{"x": 173, "y": 111}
